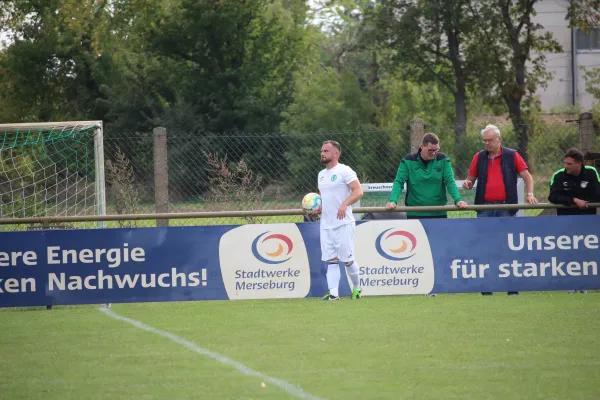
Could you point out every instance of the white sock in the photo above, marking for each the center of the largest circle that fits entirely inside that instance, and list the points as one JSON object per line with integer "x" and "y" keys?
{"x": 333, "y": 279}
{"x": 354, "y": 274}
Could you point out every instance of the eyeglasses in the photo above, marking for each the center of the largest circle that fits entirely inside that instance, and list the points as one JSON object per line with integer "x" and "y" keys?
{"x": 432, "y": 151}
{"x": 488, "y": 141}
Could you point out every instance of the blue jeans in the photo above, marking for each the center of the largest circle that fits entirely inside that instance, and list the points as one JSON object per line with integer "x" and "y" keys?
{"x": 493, "y": 213}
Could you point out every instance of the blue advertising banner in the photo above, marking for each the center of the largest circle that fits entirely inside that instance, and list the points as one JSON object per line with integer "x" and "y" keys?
{"x": 284, "y": 260}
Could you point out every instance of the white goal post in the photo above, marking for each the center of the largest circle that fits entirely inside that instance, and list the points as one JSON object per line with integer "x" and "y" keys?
{"x": 52, "y": 169}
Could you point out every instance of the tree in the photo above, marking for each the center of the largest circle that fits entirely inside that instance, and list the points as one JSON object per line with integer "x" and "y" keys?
{"x": 49, "y": 64}
{"x": 592, "y": 81}
{"x": 516, "y": 59}
{"x": 328, "y": 104}
{"x": 203, "y": 69}
{"x": 585, "y": 15}
{"x": 336, "y": 97}
{"x": 233, "y": 61}
{"x": 433, "y": 40}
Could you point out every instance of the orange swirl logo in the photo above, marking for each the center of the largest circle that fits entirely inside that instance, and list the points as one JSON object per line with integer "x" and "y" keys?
{"x": 284, "y": 249}
{"x": 404, "y": 252}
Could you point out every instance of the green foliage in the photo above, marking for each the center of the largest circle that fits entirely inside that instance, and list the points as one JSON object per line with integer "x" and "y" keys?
{"x": 407, "y": 100}
{"x": 414, "y": 31}
{"x": 583, "y": 14}
{"x": 571, "y": 109}
{"x": 592, "y": 81}
{"x": 325, "y": 101}
{"x": 258, "y": 73}
{"x": 368, "y": 120}
{"x": 369, "y": 152}
{"x": 22, "y": 193}
{"x": 596, "y": 113}
{"x": 48, "y": 71}
{"x": 212, "y": 66}
{"x": 433, "y": 42}
{"x": 208, "y": 69}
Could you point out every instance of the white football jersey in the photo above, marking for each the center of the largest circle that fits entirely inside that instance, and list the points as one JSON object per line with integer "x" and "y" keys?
{"x": 333, "y": 187}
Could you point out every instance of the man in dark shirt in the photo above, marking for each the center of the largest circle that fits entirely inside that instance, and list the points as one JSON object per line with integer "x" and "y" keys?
{"x": 575, "y": 184}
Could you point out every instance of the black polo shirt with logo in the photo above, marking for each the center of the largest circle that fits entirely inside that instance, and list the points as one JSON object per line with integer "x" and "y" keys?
{"x": 565, "y": 187}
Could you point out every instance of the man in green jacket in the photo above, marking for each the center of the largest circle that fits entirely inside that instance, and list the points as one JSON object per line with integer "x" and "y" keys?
{"x": 428, "y": 175}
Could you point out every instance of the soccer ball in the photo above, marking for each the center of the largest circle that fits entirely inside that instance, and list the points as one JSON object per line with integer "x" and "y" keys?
{"x": 311, "y": 202}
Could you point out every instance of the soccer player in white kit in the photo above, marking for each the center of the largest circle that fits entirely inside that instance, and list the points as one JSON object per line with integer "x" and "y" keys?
{"x": 339, "y": 188}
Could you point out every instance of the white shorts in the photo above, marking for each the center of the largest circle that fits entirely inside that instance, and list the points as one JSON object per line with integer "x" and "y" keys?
{"x": 338, "y": 243}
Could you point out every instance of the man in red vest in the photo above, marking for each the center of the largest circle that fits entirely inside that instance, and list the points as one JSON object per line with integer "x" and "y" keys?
{"x": 496, "y": 169}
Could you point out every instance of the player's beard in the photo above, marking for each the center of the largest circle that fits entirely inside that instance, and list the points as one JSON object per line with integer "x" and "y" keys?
{"x": 325, "y": 161}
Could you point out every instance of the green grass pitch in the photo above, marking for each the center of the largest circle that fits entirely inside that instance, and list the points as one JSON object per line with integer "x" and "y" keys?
{"x": 533, "y": 346}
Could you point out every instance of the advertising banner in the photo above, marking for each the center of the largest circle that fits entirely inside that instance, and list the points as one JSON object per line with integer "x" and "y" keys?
{"x": 270, "y": 261}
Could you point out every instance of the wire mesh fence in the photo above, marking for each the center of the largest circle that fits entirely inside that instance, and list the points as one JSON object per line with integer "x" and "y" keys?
{"x": 274, "y": 171}
{"x": 166, "y": 171}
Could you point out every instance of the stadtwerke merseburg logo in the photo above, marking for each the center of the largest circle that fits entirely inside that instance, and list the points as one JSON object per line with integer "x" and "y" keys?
{"x": 386, "y": 248}
{"x": 278, "y": 255}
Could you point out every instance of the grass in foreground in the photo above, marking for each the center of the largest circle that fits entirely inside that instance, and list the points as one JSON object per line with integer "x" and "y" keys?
{"x": 533, "y": 346}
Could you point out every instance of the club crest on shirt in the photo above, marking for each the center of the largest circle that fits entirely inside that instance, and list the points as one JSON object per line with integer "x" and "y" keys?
{"x": 584, "y": 184}
{"x": 333, "y": 178}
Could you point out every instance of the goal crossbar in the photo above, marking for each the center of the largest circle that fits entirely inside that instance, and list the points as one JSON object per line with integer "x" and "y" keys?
{"x": 49, "y": 125}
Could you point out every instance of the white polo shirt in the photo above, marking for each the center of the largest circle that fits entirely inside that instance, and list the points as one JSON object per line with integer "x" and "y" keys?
{"x": 333, "y": 187}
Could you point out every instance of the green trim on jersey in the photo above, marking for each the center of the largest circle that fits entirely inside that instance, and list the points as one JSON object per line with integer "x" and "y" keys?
{"x": 554, "y": 175}
{"x": 594, "y": 169}
{"x": 564, "y": 170}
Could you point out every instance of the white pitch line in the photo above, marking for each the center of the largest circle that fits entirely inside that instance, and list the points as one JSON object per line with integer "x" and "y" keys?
{"x": 285, "y": 386}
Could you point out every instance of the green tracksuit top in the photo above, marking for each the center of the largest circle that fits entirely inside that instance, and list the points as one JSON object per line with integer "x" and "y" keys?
{"x": 426, "y": 184}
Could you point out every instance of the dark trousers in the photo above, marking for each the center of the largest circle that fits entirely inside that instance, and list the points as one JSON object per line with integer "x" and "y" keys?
{"x": 494, "y": 213}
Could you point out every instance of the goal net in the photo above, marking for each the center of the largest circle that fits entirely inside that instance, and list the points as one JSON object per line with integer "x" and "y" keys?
{"x": 52, "y": 169}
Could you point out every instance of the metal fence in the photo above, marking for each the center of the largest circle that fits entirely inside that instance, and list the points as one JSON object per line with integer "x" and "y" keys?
{"x": 274, "y": 171}
{"x": 165, "y": 171}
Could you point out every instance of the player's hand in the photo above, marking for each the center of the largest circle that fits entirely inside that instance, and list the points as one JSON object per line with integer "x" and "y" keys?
{"x": 341, "y": 214}
{"x": 531, "y": 199}
{"x": 580, "y": 203}
{"x": 468, "y": 184}
{"x": 317, "y": 212}
{"x": 462, "y": 204}
{"x": 390, "y": 206}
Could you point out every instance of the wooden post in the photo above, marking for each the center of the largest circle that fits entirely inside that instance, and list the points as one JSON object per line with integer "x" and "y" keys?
{"x": 586, "y": 141}
{"x": 417, "y": 130}
{"x": 586, "y": 134}
{"x": 161, "y": 174}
